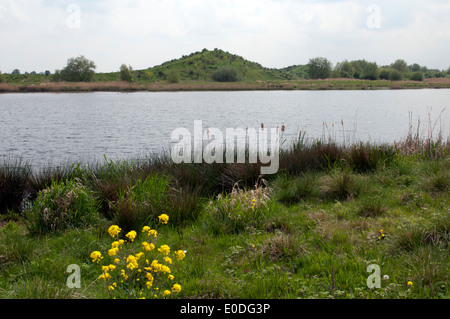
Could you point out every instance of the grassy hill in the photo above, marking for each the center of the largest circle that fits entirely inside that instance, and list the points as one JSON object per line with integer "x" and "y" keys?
{"x": 199, "y": 66}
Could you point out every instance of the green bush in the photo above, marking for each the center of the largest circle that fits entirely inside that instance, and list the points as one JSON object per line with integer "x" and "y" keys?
{"x": 173, "y": 76}
{"x": 225, "y": 74}
{"x": 62, "y": 206}
{"x": 416, "y": 76}
{"x": 395, "y": 75}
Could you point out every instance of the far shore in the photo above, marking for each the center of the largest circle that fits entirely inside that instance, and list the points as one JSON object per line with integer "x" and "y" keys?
{"x": 120, "y": 86}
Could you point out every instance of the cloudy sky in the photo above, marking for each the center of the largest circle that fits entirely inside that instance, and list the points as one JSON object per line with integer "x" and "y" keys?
{"x": 39, "y": 35}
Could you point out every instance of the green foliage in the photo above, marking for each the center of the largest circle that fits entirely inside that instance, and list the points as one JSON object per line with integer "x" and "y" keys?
{"x": 2, "y": 78}
{"x": 416, "y": 76}
{"x": 365, "y": 70}
{"x": 225, "y": 74}
{"x": 319, "y": 68}
{"x": 173, "y": 76}
{"x": 126, "y": 73}
{"x": 14, "y": 177}
{"x": 400, "y": 65}
{"x": 345, "y": 69}
{"x": 62, "y": 206}
{"x": 78, "y": 69}
{"x": 395, "y": 75}
{"x": 141, "y": 202}
{"x": 236, "y": 211}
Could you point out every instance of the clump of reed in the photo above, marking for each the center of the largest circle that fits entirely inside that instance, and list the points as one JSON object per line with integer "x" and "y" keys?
{"x": 238, "y": 210}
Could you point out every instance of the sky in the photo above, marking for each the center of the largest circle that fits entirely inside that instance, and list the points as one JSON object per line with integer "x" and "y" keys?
{"x": 39, "y": 35}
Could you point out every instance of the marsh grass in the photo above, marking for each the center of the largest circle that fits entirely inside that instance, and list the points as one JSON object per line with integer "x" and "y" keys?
{"x": 238, "y": 210}
{"x": 310, "y": 232}
{"x": 62, "y": 206}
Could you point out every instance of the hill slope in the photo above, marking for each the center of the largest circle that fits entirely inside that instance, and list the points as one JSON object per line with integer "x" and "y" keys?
{"x": 199, "y": 66}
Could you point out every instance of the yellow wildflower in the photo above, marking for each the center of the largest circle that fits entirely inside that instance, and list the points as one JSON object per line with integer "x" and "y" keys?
{"x": 165, "y": 269}
{"x": 164, "y": 249}
{"x": 146, "y": 229}
{"x": 131, "y": 235}
{"x": 176, "y": 288}
{"x": 170, "y": 277}
{"x": 147, "y": 246}
{"x": 114, "y": 230}
{"x": 96, "y": 256}
{"x": 180, "y": 254}
{"x": 410, "y": 283}
{"x": 104, "y": 276}
{"x": 113, "y": 251}
{"x": 166, "y": 292}
{"x": 163, "y": 218}
{"x": 132, "y": 262}
{"x": 153, "y": 233}
{"x": 168, "y": 260}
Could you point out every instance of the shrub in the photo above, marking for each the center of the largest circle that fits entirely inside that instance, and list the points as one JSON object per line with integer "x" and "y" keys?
{"x": 225, "y": 74}
{"x": 173, "y": 76}
{"x": 395, "y": 75}
{"x": 62, "y": 206}
{"x": 416, "y": 76}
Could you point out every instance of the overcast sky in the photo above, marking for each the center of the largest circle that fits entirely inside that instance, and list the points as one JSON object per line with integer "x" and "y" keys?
{"x": 39, "y": 35}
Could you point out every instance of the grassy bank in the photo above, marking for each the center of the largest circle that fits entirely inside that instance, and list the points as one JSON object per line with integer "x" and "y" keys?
{"x": 310, "y": 231}
{"x": 120, "y": 86}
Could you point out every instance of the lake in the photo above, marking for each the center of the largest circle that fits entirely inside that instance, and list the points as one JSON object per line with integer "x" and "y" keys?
{"x": 58, "y": 127}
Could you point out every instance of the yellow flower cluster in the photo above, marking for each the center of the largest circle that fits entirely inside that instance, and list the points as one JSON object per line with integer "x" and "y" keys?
{"x": 381, "y": 235}
{"x": 114, "y": 231}
{"x": 96, "y": 256}
{"x": 138, "y": 271}
{"x": 164, "y": 218}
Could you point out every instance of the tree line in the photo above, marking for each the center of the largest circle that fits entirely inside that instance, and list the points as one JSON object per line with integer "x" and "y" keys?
{"x": 321, "y": 68}
{"x": 81, "y": 69}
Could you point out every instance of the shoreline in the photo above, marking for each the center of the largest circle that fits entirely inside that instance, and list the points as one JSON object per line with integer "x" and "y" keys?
{"x": 186, "y": 86}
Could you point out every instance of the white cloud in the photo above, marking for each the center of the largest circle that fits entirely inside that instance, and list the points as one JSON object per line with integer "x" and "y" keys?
{"x": 276, "y": 33}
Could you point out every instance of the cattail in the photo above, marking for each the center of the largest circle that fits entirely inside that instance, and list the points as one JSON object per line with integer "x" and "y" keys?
{"x": 262, "y": 126}
{"x": 283, "y": 127}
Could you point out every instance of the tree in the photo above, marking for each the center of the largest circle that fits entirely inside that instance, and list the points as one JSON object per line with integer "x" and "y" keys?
{"x": 448, "y": 70}
{"x": 78, "y": 69}
{"x": 415, "y": 67}
{"x": 384, "y": 74}
{"x": 225, "y": 74}
{"x": 2, "y": 77}
{"x": 126, "y": 73}
{"x": 345, "y": 69}
{"x": 400, "y": 65}
{"x": 319, "y": 68}
{"x": 365, "y": 70}
{"x": 15, "y": 72}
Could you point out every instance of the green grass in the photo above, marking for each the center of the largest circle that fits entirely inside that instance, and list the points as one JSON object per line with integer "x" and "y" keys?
{"x": 309, "y": 233}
